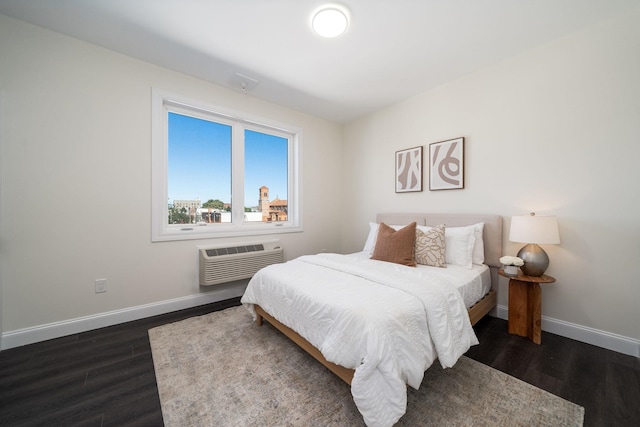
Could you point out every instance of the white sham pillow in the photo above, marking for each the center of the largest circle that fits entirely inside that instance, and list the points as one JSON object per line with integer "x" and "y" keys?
{"x": 370, "y": 243}
{"x": 459, "y": 244}
{"x": 478, "y": 248}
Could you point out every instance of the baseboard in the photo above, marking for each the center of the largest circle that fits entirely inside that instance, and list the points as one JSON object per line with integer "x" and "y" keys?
{"x": 618, "y": 343}
{"x": 49, "y": 331}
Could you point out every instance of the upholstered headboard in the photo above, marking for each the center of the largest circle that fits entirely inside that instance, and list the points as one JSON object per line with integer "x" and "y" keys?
{"x": 492, "y": 234}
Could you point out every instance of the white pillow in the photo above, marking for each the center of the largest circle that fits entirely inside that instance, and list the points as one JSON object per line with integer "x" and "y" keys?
{"x": 370, "y": 243}
{"x": 478, "y": 247}
{"x": 459, "y": 242}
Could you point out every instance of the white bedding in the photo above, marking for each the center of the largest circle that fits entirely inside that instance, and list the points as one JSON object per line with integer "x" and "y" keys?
{"x": 472, "y": 283}
{"x": 386, "y": 321}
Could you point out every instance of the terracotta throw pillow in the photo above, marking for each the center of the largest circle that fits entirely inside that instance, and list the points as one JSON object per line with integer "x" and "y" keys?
{"x": 430, "y": 247}
{"x": 395, "y": 246}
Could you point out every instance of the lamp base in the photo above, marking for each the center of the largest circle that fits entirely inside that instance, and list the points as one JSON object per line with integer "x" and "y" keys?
{"x": 535, "y": 260}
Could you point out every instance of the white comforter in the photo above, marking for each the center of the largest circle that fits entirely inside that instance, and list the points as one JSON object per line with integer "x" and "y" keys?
{"x": 386, "y": 321}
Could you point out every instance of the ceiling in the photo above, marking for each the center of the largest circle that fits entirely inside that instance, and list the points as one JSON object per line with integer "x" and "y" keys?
{"x": 391, "y": 51}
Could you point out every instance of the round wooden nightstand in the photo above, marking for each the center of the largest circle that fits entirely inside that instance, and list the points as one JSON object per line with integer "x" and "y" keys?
{"x": 525, "y": 305}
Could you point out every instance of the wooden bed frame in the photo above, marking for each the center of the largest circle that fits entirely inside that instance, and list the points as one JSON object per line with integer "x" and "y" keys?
{"x": 492, "y": 237}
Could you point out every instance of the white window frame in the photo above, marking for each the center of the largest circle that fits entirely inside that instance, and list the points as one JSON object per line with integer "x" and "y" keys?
{"x": 161, "y": 230}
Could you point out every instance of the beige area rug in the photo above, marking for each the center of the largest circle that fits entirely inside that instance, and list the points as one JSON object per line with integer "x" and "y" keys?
{"x": 222, "y": 370}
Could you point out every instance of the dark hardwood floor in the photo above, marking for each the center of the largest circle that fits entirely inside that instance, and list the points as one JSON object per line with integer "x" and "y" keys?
{"x": 106, "y": 378}
{"x": 604, "y": 382}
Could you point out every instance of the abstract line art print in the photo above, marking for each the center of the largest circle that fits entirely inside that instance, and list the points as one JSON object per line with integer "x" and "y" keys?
{"x": 409, "y": 170}
{"x": 446, "y": 164}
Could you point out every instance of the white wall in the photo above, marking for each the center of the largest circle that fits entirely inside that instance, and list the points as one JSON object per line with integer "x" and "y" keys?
{"x": 77, "y": 180}
{"x": 555, "y": 130}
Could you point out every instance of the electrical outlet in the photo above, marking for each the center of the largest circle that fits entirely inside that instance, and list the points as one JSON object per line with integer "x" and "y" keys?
{"x": 101, "y": 285}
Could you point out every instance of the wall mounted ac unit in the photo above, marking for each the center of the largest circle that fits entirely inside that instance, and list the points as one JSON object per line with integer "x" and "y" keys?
{"x": 229, "y": 262}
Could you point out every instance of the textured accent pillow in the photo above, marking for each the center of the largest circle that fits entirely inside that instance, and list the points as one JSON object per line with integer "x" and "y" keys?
{"x": 395, "y": 245}
{"x": 430, "y": 246}
{"x": 459, "y": 243}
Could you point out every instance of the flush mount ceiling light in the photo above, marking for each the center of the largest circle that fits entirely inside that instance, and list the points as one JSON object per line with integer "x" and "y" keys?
{"x": 330, "y": 20}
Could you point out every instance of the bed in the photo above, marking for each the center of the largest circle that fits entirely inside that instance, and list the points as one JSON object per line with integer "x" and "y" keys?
{"x": 365, "y": 320}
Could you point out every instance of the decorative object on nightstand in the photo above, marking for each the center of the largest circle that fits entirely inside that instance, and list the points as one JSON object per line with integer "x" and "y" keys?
{"x": 534, "y": 230}
{"x": 511, "y": 264}
{"x": 525, "y": 305}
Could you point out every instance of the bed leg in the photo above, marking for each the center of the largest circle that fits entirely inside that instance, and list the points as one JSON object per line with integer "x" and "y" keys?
{"x": 258, "y": 320}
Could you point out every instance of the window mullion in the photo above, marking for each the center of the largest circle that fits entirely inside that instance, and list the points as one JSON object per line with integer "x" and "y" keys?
{"x": 237, "y": 174}
{"x": 292, "y": 178}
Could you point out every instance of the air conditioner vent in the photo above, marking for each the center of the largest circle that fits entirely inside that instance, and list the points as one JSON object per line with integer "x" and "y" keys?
{"x": 229, "y": 263}
{"x": 234, "y": 250}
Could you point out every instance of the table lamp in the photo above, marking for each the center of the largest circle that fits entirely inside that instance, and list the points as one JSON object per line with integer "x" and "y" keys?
{"x": 534, "y": 230}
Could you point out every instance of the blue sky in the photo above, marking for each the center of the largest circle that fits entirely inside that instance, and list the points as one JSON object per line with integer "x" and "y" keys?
{"x": 200, "y": 161}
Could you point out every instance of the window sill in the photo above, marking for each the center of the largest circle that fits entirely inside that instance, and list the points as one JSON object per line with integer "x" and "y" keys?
{"x": 214, "y": 231}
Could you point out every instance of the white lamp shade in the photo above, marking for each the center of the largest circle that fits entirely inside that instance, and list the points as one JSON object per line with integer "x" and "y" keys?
{"x": 536, "y": 229}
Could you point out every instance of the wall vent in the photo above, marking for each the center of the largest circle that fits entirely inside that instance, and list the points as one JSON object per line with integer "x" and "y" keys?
{"x": 226, "y": 263}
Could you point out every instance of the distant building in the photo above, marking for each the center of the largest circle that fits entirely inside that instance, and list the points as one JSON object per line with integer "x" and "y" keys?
{"x": 268, "y": 210}
{"x": 187, "y": 204}
{"x": 190, "y": 207}
{"x": 274, "y": 210}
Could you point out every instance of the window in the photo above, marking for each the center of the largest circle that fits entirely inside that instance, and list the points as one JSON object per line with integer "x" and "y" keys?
{"x": 219, "y": 173}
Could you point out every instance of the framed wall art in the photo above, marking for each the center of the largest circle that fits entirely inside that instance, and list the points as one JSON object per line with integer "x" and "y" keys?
{"x": 409, "y": 170}
{"x": 446, "y": 165}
